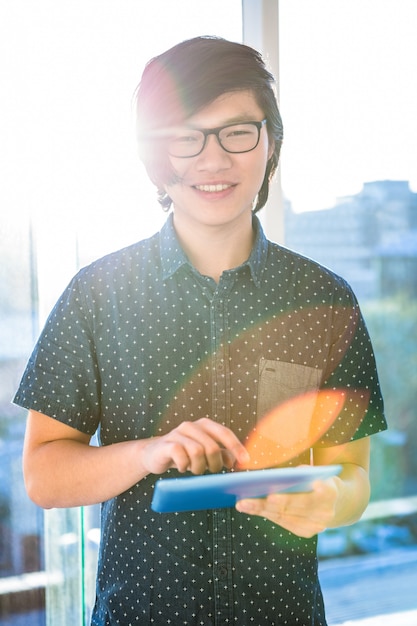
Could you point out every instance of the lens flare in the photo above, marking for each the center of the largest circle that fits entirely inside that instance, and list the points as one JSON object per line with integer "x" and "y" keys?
{"x": 296, "y": 425}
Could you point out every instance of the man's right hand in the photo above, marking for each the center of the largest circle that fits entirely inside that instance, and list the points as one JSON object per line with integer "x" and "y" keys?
{"x": 195, "y": 447}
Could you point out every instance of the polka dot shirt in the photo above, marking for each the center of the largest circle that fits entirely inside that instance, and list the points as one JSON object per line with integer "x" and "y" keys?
{"x": 140, "y": 341}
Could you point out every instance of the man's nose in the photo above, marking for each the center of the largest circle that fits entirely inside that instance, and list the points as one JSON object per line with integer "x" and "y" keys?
{"x": 213, "y": 155}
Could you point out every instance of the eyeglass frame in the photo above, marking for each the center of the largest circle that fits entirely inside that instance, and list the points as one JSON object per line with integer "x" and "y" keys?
{"x": 216, "y": 131}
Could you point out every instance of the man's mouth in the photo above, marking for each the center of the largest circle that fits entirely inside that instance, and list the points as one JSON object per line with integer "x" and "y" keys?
{"x": 213, "y": 188}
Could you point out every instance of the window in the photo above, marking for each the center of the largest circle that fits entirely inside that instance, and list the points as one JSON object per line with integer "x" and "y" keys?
{"x": 348, "y": 102}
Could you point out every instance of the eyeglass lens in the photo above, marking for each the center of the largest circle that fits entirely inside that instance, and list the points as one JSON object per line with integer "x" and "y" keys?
{"x": 234, "y": 138}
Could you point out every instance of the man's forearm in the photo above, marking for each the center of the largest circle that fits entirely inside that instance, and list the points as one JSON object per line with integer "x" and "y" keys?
{"x": 67, "y": 473}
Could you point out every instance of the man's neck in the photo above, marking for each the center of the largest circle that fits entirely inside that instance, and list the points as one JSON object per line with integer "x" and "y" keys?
{"x": 215, "y": 249}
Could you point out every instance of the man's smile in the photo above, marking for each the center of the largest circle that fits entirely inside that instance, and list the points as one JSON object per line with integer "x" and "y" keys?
{"x": 213, "y": 188}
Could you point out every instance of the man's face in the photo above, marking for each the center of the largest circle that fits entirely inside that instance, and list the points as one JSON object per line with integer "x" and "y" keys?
{"x": 217, "y": 187}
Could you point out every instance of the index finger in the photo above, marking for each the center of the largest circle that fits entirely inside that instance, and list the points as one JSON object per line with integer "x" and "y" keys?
{"x": 226, "y": 437}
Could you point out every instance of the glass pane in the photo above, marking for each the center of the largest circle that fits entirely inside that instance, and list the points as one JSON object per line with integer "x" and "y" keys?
{"x": 348, "y": 173}
{"x": 22, "y": 576}
{"x": 64, "y": 558}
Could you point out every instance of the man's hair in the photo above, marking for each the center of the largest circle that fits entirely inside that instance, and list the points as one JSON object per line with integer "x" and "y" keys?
{"x": 178, "y": 83}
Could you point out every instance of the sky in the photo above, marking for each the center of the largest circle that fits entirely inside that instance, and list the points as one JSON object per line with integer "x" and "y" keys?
{"x": 348, "y": 97}
{"x": 348, "y": 90}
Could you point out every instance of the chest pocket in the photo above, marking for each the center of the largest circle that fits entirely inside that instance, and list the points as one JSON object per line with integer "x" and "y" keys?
{"x": 280, "y": 381}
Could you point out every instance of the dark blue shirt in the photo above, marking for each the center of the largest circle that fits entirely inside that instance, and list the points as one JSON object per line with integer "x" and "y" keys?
{"x": 139, "y": 342}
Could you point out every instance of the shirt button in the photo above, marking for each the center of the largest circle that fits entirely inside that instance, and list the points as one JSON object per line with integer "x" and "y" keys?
{"x": 222, "y": 571}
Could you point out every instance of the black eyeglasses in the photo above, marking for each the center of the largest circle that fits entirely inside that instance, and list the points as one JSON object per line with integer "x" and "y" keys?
{"x": 185, "y": 143}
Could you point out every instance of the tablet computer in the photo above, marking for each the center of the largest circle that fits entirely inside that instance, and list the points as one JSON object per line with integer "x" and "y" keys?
{"x": 214, "y": 491}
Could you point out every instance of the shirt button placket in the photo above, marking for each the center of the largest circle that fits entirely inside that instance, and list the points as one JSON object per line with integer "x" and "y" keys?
{"x": 223, "y": 583}
{"x": 221, "y": 412}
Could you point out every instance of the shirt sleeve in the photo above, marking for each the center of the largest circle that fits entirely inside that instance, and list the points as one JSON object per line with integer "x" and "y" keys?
{"x": 351, "y": 379}
{"x": 62, "y": 379}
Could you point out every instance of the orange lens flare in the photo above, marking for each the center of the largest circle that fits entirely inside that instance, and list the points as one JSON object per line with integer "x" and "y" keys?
{"x": 296, "y": 425}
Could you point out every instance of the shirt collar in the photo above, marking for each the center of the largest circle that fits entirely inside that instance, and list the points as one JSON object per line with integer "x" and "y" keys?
{"x": 173, "y": 256}
{"x": 257, "y": 258}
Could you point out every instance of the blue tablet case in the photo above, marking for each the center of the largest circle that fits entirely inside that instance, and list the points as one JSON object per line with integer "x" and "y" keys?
{"x": 214, "y": 491}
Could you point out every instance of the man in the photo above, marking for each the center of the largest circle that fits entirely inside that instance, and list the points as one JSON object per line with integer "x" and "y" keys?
{"x": 177, "y": 347}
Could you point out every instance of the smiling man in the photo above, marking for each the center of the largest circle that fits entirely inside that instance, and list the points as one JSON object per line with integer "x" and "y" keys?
{"x": 179, "y": 347}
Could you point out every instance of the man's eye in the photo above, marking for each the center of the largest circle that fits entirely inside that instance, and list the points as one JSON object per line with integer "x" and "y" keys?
{"x": 238, "y": 132}
{"x": 184, "y": 139}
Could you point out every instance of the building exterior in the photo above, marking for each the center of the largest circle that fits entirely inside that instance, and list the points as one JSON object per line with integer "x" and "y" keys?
{"x": 370, "y": 238}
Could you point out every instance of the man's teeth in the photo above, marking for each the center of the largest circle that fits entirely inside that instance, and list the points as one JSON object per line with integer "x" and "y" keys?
{"x": 212, "y": 187}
